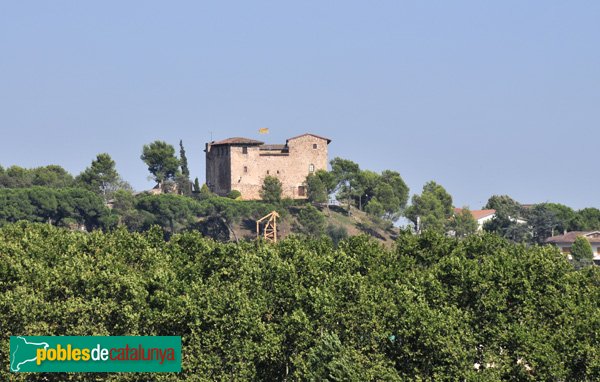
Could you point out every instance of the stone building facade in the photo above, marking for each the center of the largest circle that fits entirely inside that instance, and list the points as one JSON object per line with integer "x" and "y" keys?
{"x": 242, "y": 164}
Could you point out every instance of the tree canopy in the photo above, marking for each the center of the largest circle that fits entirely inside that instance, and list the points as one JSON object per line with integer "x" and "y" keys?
{"x": 582, "y": 252}
{"x": 463, "y": 224}
{"x": 52, "y": 176}
{"x": 160, "y": 158}
{"x": 506, "y": 219}
{"x": 386, "y": 193}
{"x": 432, "y": 209}
{"x": 431, "y": 308}
{"x": 316, "y": 189}
{"x": 102, "y": 177}
{"x": 69, "y": 207}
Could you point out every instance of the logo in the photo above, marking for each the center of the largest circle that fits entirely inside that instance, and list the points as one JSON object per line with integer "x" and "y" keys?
{"x": 95, "y": 354}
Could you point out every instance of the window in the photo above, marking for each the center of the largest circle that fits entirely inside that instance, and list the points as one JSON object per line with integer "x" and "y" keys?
{"x": 315, "y": 146}
{"x": 244, "y": 150}
{"x": 598, "y": 247}
{"x": 311, "y": 168}
{"x": 267, "y": 172}
{"x": 301, "y": 191}
{"x": 245, "y": 169}
{"x": 566, "y": 249}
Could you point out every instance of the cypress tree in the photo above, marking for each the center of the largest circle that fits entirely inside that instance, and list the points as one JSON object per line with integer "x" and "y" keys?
{"x": 184, "y": 162}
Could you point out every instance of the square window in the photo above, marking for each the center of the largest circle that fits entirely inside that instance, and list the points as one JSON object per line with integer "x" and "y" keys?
{"x": 314, "y": 146}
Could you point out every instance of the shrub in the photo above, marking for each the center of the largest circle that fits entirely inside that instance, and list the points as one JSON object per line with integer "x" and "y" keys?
{"x": 312, "y": 221}
{"x": 234, "y": 194}
{"x": 336, "y": 233}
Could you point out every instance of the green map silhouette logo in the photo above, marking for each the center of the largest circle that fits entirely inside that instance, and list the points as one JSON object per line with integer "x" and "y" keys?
{"x": 24, "y": 352}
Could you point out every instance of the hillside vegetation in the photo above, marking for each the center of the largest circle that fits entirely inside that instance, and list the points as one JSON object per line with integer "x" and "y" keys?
{"x": 430, "y": 308}
{"x": 368, "y": 202}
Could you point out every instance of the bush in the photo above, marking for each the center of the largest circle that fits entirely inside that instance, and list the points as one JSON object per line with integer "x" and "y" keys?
{"x": 312, "y": 221}
{"x": 234, "y": 194}
{"x": 336, "y": 233}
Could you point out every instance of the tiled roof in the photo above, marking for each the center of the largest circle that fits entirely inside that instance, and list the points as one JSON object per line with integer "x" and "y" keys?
{"x": 314, "y": 135}
{"x": 237, "y": 141}
{"x": 477, "y": 214}
{"x": 569, "y": 237}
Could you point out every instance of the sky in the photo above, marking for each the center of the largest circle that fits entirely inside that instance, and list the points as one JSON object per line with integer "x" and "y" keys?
{"x": 482, "y": 97}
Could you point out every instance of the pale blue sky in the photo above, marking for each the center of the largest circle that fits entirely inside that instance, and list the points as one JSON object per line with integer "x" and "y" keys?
{"x": 483, "y": 98}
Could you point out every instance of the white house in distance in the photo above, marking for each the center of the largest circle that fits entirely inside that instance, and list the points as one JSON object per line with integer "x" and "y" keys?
{"x": 564, "y": 242}
{"x": 481, "y": 216}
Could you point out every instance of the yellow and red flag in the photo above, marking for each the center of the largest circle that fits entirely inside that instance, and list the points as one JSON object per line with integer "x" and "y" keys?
{"x": 263, "y": 130}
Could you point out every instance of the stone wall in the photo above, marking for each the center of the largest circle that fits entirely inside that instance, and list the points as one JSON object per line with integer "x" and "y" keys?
{"x": 218, "y": 169}
{"x": 249, "y": 170}
{"x": 245, "y": 172}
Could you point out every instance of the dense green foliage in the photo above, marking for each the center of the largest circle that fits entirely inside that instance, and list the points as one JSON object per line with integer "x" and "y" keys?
{"x": 507, "y": 221}
{"x": 234, "y": 194}
{"x": 535, "y": 223}
{"x": 582, "y": 252}
{"x": 78, "y": 208}
{"x": 316, "y": 188}
{"x": 175, "y": 213}
{"x": 49, "y": 176}
{"x": 311, "y": 222}
{"x": 68, "y": 207}
{"x": 382, "y": 195}
{"x": 271, "y": 189}
{"x": 102, "y": 177}
{"x": 160, "y": 158}
{"x": 433, "y": 308}
{"x": 431, "y": 211}
{"x": 588, "y": 219}
{"x": 463, "y": 224}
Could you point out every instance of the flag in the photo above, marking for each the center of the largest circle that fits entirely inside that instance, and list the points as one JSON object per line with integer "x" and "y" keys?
{"x": 263, "y": 130}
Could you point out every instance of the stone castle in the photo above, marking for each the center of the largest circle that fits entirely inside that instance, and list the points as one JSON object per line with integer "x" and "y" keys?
{"x": 242, "y": 164}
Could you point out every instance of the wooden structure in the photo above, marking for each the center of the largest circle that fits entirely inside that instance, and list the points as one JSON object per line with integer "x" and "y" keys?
{"x": 270, "y": 230}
